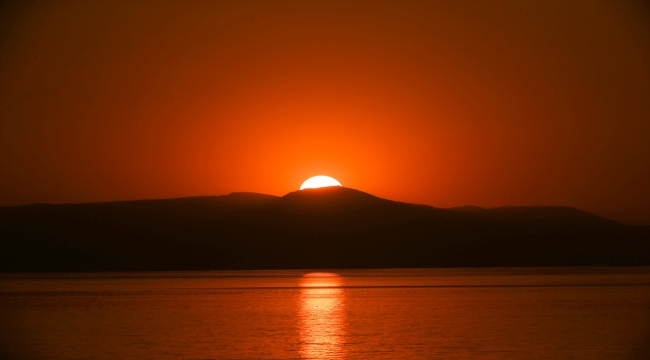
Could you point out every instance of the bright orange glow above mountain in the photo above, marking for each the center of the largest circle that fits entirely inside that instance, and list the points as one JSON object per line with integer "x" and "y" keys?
{"x": 319, "y": 182}
{"x": 445, "y": 103}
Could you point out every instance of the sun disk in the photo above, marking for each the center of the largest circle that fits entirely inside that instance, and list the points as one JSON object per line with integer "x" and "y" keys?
{"x": 318, "y": 182}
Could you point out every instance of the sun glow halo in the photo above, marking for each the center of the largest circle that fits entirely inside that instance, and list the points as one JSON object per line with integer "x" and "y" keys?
{"x": 318, "y": 182}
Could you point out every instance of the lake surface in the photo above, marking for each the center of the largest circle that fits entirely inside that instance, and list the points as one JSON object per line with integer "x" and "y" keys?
{"x": 543, "y": 313}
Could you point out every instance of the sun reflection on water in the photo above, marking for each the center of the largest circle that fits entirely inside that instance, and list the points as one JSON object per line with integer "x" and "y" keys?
{"x": 322, "y": 316}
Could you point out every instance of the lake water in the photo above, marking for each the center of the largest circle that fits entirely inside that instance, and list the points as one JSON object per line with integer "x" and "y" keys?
{"x": 544, "y": 313}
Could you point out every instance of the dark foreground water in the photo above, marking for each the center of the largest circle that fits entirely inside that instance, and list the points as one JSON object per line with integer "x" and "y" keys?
{"x": 551, "y": 313}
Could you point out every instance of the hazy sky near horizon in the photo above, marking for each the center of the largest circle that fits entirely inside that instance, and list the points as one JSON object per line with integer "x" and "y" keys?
{"x": 447, "y": 103}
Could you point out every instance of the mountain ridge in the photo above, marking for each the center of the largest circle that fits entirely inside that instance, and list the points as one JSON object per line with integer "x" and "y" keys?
{"x": 317, "y": 228}
{"x": 254, "y": 200}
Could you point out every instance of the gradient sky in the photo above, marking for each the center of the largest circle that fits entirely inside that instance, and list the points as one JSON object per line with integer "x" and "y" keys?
{"x": 446, "y": 103}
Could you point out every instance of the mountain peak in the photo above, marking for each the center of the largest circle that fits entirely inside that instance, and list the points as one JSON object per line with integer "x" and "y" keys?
{"x": 331, "y": 198}
{"x": 329, "y": 192}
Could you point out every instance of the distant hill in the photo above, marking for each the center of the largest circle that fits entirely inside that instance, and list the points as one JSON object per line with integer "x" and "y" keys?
{"x": 332, "y": 227}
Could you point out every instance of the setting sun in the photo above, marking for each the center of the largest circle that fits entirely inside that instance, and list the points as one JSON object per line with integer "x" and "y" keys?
{"x": 318, "y": 182}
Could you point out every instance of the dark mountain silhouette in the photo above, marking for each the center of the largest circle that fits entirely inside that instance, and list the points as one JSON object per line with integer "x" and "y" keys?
{"x": 332, "y": 227}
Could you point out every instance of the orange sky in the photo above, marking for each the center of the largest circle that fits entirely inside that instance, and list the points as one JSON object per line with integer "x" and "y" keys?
{"x": 446, "y": 103}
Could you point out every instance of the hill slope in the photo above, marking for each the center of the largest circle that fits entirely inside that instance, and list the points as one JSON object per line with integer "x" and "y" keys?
{"x": 317, "y": 228}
